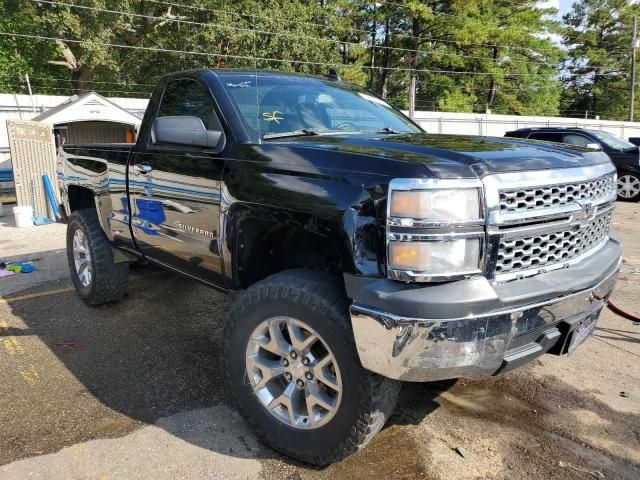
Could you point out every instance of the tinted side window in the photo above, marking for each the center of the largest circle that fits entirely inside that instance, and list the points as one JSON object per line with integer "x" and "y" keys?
{"x": 575, "y": 139}
{"x": 186, "y": 97}
{"x": 516, "y": 134}
{"x": 546, "y": 136}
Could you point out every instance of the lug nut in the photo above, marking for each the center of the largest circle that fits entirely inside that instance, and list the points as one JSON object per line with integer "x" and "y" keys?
{"x": 308, "y": 375}
{"x": 300, "y": 383}
{"x": 287, "y": 376}
{"x": 305, "y": 361}
{"x": 293, "y": 354}
{"x": 285, "y": 362}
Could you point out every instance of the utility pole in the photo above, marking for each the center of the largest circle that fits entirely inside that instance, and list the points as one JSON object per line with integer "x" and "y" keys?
{"x": 414, "y": 73}
{"x": 634, "y": 46}
{"x": 33, "y": 105}
{"x": 373, "y": 47}
{"x": 412, "y": 95}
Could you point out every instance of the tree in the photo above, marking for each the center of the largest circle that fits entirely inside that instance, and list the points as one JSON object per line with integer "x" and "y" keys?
{"x": 498, "y": 53}
{"x": 597, "y": 34}
{"x": 19, "y": 58}
{"x": 465, "y": 55}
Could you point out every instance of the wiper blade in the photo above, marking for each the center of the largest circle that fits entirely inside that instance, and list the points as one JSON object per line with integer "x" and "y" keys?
{"x": 387, "y": 130}
{"x": 304, "y": 132}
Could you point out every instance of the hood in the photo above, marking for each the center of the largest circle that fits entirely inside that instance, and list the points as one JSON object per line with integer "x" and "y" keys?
{"x": 458, "y": 155}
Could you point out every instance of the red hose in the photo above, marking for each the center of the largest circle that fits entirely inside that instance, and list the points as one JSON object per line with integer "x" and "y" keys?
{"x": 623, "y": 313}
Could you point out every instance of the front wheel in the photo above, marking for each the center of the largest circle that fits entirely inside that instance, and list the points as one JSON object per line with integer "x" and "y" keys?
{"x": 97, "y": 278}
{"x": 629, "y": 186}
{"x": 292, "y": 369}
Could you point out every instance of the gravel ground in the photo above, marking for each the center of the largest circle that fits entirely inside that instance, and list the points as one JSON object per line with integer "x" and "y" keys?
{"x": 133, "y": 390}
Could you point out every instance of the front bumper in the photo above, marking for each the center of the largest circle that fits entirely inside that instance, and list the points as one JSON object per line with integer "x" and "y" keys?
{"x": 473, "y": 328}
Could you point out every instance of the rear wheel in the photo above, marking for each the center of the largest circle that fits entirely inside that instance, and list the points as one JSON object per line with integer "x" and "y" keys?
{"x": 97, "y": 278}
{"x": 292, "y": 369}
{"x": 629, "y": 186}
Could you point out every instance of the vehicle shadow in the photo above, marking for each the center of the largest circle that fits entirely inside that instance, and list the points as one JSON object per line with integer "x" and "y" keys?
{"x": 618, "y": 335}
{"x": 154, "y": 355}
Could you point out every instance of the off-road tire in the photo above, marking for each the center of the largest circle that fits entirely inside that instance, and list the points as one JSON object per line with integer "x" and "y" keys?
{"x": 109, "y": 279}
{"x": 320, "y": 301}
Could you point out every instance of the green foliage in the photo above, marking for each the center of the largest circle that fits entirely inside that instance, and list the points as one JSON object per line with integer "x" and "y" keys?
{"x": 598, "y": 36}
{"x": 467, "y": 55}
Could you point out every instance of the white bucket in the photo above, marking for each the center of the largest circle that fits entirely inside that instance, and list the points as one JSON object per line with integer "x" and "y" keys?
{"x": 24, "y": 216}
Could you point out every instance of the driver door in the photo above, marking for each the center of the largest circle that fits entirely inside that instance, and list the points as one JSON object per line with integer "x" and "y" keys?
{"x": 176, "y": 190}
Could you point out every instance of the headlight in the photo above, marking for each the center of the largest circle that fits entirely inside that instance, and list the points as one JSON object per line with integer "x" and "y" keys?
{"x": 435, "y": 229}
{"x": 436, "y": 257}
{"x": 438, "y": 205}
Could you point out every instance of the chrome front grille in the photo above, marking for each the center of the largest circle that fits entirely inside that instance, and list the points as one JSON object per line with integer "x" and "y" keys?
{"x": 538, "y": 221}
{"x": 542, "y": 197}
{"x": 531, "y": 222}
{"x": 539, "y": 251}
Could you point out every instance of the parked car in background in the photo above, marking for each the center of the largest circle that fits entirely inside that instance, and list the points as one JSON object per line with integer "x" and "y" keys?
{"x": 625, "y": 155}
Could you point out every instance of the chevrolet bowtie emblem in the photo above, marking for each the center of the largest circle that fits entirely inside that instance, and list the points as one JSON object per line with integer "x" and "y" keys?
{"x": 587, "y": 213}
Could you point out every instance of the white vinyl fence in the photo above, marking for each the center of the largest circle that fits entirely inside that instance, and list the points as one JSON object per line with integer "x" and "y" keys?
{"x": 23, "y": 106}
{"x": 497, "y": 125}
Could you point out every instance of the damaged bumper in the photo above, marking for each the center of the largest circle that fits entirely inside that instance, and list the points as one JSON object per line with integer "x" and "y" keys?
{"x": 473, "y": 328}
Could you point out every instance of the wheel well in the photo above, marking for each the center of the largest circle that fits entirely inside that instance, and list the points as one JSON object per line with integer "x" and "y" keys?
{"x": 79, "y": 198}
{"x": 624, "y": 170}
{"x": 262, "y": 249}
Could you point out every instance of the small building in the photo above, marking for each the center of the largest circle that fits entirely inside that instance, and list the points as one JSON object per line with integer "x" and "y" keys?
{"x": 33, "y": 143}
{"x": 90, "y": 118}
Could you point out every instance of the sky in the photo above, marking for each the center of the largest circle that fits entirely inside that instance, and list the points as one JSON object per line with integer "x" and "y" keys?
{"x": 562, "y": 5}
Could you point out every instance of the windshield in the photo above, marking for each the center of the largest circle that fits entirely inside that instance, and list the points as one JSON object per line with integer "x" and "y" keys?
{"x": 611, "y": 140}
{"x": 285, "y": 103}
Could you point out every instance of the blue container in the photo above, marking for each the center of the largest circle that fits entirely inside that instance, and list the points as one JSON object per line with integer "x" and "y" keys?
{"x": 6, "y": 175}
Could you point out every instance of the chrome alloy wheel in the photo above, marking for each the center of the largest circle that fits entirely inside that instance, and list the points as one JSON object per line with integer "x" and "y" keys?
{"x": 628, "y": 186}
{"x": 82, "y": 257}
{"x": 293, "y": 373}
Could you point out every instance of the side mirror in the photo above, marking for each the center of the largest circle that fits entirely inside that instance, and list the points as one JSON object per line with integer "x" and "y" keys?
{"x": 594, "y": 146}
{"x": 184, "y": 130}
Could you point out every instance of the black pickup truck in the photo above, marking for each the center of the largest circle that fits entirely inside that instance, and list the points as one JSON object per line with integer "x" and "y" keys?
{"x": 359, "y": 250}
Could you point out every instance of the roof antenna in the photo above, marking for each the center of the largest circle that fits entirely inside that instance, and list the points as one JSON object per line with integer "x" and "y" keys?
{"x": 333, "y": 75}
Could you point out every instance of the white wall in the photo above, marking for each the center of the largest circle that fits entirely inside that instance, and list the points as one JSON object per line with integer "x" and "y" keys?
{"x": 20, "y": 107}
{"x": 497, "y": 125}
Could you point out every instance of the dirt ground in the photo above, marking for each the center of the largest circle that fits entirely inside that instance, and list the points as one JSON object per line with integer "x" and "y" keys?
{"x": 134, "y": 390}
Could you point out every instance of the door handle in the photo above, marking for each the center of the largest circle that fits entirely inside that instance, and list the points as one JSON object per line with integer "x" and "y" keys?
{"x": 142, "y": 168}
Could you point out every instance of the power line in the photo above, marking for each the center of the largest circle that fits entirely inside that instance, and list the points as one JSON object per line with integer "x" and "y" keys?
{"x": 366, "y": 32}
{"x": 253, "y": 15}
{"x": 265, "y": 59}
{"x": 45, "y": 87}
{"x": 126, "y": 83}
{"x": 254, "y": 31}
{"x": 123, "y": 82}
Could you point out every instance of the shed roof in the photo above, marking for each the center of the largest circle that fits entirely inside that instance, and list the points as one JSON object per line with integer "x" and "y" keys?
{"x": 88, "y": 107}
